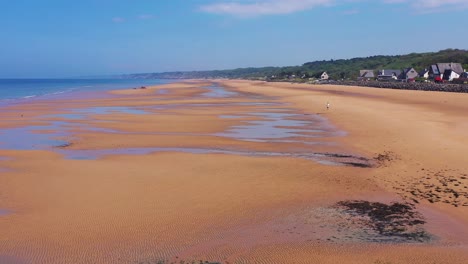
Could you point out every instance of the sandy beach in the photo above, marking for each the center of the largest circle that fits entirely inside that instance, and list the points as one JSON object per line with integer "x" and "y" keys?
{"x": 236, "y": 172}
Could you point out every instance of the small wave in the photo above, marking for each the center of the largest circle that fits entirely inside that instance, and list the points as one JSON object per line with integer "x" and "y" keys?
{"x": 63, "y": 91}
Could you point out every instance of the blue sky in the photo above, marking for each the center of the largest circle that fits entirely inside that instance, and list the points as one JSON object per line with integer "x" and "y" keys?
{"x": 59, "y": 38}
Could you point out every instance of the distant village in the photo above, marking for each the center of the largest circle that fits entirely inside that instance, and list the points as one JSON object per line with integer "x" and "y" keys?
{"x": 438, "y": 73}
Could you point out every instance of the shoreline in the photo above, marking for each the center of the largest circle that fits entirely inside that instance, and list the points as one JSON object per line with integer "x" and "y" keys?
{"x": 73, "y": 90}
{"x": 226, "y": 207}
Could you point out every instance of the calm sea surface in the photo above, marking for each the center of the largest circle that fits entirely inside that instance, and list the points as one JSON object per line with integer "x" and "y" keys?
{"x": 12, "y": 90}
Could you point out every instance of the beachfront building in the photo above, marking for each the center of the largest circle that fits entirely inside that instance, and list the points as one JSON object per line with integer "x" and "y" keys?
{"x": 438, "y": 71}
{"x": 449, "y": 75}
{"x": 408, "y": 74}
{"x": 324, "y": 76}
{"x": 366, "y": 75}
{"x": 424, "y": 74}
{"x": 388, "y": 75}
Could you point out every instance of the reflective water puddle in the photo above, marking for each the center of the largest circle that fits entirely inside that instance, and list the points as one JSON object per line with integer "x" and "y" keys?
{"x": 4, "y": 170}
{"x": 104, "y": 110}
{"x": 162, "y": 91}
{"x": 278, "y": 125}
{"x": 30, "y": 138}
{"x": 83, "y": 113}
{"x": 217, "y": 91}
{"x": 274, "y": 126}
{"x": 322, "y": 158}
{"x": 45, "y": 136}
{"x": 4, "y": 212}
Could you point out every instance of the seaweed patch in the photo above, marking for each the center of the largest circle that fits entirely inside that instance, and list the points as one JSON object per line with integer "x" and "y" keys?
{"x": 396, "y": 222}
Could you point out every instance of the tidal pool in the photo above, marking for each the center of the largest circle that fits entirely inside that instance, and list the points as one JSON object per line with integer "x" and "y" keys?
{"x": 44, "y": 136}
{"x": 274, "y": 126}
{"x": 217, "y": 91}
{"x": 30, "y": 137}
{"x": 84, "y": 113}
{"x": 162, "y": 91}
{"x": 322, "y": 158}
{"x": 4, "y": 212}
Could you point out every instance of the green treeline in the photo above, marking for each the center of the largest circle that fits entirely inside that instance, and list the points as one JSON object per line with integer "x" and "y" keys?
{"x": 336, "y": 69}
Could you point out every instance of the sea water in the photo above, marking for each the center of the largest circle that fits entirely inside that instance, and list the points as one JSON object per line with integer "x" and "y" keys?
{"x": 26, "y": 89}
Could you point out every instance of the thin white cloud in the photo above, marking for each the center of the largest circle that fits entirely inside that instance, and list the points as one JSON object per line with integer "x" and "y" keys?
{"x": 429, "y": 6}
{"x": 264, "y": 7}
{"x": 252, "y": 8}
{"x": 118, "y": 19}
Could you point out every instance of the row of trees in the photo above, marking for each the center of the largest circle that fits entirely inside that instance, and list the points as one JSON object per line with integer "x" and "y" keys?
{"x": 336, "y": 69}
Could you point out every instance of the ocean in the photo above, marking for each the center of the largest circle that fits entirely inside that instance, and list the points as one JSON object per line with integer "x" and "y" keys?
{"x": 12, "y": 90}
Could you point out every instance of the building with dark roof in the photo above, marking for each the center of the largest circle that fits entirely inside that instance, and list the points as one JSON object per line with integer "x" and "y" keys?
{"x": 424, "y": 74}
{"x": 366, "y": 75}
{"x": 408, "y": 74}
{"x": 388, "y": 75}
{"x": 444, "y": 70}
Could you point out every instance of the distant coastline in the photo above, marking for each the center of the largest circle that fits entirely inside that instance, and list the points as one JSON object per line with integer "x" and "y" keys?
{"x": 343, "y": 69}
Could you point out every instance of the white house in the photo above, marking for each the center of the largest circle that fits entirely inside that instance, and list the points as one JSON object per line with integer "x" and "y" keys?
{"x": 439, "y": 70}
{"x": 388, "y": 74}
{"x": 424, "y": 74}
{"x": 324, "y": 76}
{"x": 450, "y": 75}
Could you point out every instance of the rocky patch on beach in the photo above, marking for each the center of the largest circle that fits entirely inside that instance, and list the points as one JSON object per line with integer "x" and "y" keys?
{"x": 444, "y": 186}
{"x": 396, "y": 222}
{"x": 64, "y": 145}
{"x": 360, "y": 222}
{"x": 385, "y": 158}
{"x": 348, "y": 160}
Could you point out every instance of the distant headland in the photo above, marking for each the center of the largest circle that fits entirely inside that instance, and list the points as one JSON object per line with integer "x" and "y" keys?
{"x": 370, "y": 68}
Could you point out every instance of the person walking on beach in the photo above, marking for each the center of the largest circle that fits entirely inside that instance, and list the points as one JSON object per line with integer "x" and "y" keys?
{"x": 328, "y": 105}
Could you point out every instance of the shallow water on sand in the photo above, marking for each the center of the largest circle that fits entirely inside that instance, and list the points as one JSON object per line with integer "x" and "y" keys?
{"x": 274, "y": 126}
{"x": 163, "y": 91}
{"x": 83, "y": 113}
{"x": 217, "y": 91}
{"x": 29, "y": 137}
{"x": 322, "y": 158}
{"x": 278, "y": 125}
{"x": 4, "y": 212}
{"x": 52, "y": 134}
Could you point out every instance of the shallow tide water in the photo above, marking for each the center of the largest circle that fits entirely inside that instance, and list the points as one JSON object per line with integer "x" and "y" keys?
{"x": 4, "y": 212}
{"x": 273, "y": 126}
{"x": 270, "y": 125}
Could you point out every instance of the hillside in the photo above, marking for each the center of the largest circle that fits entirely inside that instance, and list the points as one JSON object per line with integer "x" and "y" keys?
{"x": 337, "y": 69}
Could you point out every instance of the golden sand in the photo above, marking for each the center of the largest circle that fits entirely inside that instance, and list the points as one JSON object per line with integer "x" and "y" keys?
{"x": 170, "y": 206}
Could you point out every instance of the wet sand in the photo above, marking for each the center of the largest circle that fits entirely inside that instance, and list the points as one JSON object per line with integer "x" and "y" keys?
{"x": 232, "y": 172}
